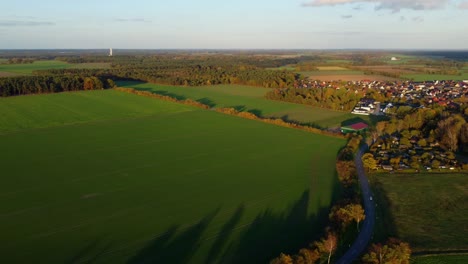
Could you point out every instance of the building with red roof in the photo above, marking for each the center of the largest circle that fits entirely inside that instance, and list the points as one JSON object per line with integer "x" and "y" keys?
{"x": 355, "y": 128}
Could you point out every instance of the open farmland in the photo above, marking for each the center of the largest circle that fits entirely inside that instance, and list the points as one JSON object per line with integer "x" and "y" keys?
{"x": 170, "y": 184}
{"x": 432, "y": 77}
{"x": 246, "y": 98}
{"x": 28, "y": 68}
{"x": 426, "y": 210}
{"x": 442, "y": 259}
{"x": 343, "y": 75}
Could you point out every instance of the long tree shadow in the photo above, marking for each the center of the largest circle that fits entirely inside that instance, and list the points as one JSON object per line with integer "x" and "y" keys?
{"x": 207, "y": 101}
{"x": 224, "y": 235}
{"x": 174, "y": 249}
{"x": 385, "y": 226}
{"x": 272, "y": 233}
{"x": 90, "y": 253}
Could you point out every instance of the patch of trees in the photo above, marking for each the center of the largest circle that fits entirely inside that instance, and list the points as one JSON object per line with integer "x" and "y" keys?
{"x": 19, "y": 61}
{"x": 330, "y": 98}
{"x": 189, "y": 75}
{"x": 393, "y": 251}
{"x": 25, "y": 85}
{"x": 449, "y": 129}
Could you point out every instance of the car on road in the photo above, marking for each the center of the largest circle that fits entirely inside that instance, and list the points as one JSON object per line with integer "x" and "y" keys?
{"x": 370, "y": 198}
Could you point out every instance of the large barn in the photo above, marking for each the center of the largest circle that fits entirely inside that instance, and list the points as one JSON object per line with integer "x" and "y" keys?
{"x": 355, "y": 128}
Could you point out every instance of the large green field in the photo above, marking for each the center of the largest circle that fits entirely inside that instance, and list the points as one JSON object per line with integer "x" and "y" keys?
{"x": 249, "y": 98}
{"x": 132, "y": 179}
{"x": 432, "y": 77}
{"x": 428, "y": 211}
{"x": 442, "y": 259}
{"x": 27, "y": 69}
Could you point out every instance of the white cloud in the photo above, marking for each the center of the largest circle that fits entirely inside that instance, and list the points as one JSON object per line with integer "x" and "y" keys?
{"x": 142, "y": 20}
{"x": 463, "y": 5}
{"x": 24, "y": 23}
{"x": 347, "y": 16}
{"x": 394, "y": 5}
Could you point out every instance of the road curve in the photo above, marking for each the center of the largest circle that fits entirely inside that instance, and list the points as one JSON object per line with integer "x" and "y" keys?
{"x": 365, "y": 235}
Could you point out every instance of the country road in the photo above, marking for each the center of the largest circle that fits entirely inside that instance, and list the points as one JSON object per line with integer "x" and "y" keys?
{"x": 365, "y": 235}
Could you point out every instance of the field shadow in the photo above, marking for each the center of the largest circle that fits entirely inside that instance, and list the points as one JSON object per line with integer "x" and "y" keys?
{"x": 287, "y": 118}
{"x": 240, "y": 108}
{"x": 89, "y": 253}
{"x": 274, "y": 232}
{"x": 172, "y": 248}
{"x": 256, "y": 112}
{"x": 385, "y": 225}
{"x": 270, "y": 233}
{"x": 207, "y": 101}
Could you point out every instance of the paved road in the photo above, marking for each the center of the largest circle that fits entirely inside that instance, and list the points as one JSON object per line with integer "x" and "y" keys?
{"x": 361, "y": 242}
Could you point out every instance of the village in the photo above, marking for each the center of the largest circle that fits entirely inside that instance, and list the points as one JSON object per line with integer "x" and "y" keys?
{"x": 392, "y": 95}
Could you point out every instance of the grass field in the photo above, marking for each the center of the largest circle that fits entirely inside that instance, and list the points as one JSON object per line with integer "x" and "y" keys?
{"x": 148, "y": 181}
{"x": 428, "y": 211}
{"x": 27, "y": 69}
{"x": 332, "y": 72}
{"x": 443, "y": 259}
{"x": 332, "y": 68}
{"x": 432, "y": 77}
{"x": 248, "y": 98}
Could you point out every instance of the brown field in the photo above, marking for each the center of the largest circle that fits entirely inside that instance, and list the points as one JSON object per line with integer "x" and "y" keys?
{"x": 7, "y": 74}
{"x": 356, "y": 77}
{"x": 331, "y": 68}
{"x": 389, "y": 69}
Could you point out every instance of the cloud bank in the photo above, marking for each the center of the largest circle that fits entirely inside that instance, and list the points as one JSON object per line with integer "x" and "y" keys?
{"x": 463, "y": 5}
{"x": 141, "y": 20}
{"x": 24, "y": 23}
{"x": 393, "y": 5}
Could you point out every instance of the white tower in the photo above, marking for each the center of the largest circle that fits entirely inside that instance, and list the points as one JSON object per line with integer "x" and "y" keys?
{"x": 110, "y": 52}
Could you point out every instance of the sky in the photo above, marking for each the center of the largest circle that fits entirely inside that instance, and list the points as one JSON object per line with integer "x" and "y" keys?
{"x": 234, "y": 24}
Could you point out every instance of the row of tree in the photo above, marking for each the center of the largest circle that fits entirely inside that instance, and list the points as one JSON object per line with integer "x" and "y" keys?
{"x": 187, "y": 75}
{"x": 25, "y": 85}
{"x": 330, "y": 98}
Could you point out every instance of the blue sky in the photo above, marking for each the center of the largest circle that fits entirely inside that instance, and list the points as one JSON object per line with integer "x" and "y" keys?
{"x": 239, "y": 24}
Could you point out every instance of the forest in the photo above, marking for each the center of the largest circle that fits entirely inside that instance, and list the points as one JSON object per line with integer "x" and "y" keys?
{"x": 25, "y": 85}
{"x": 163, "y": 69}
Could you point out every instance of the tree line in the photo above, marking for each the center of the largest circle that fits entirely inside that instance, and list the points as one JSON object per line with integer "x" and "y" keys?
{"x": 25, "y": 85}
{"x": 336, "y": 99}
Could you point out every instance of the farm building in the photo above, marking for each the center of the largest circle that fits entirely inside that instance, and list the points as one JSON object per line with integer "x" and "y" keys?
{"x": 354, "y": 128}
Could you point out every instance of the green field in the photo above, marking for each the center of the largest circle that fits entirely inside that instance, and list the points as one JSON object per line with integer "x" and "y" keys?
{"x": 432, "y": 77}
{"x": 248, "y": 98}
{"x": 137, "y": 180}
{"x": 443, "y": 259}
{"x": 27, "y": 69}
{"x": 428, "y": 211}
{"x": 331, "y": 72}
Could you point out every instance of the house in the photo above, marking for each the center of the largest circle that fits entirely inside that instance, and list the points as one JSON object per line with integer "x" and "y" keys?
{"x": 355, "y": 128}
{"x": 387, "y": 167}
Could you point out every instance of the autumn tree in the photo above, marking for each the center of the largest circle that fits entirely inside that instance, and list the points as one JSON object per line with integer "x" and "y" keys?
{"x": 356, "y": 213}
{"x": 308, "y": 256}
{"x": 282, "y": 259}
{"x": 380, "y": 127}
{"x": 394, "y": 251}
{"x": 449, "y": 131}
{"x": 369, "y": 162}
{"x": 327, "y": 246}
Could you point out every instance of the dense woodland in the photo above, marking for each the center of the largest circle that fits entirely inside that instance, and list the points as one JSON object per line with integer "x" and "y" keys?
{"x": 164, "y": 69}
{"x": 330, "y": 98}
{"x": 51, "y": 84}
